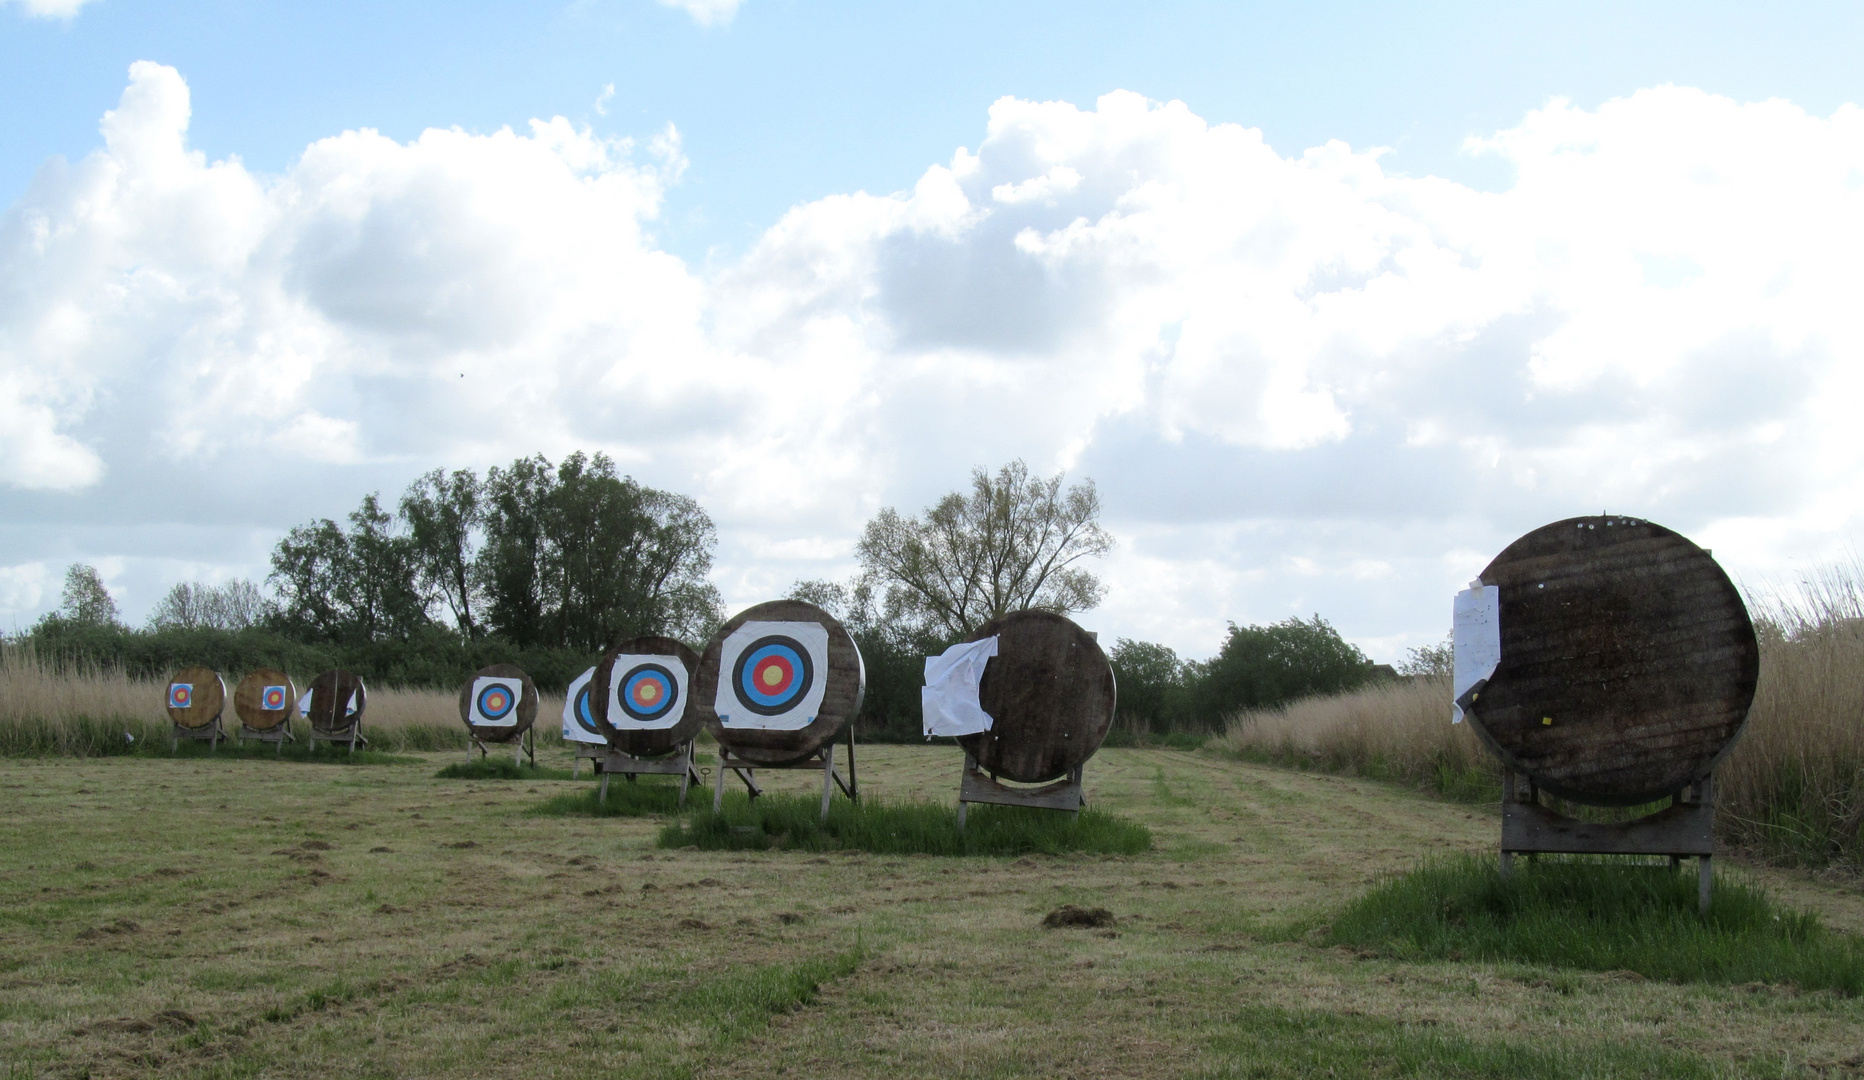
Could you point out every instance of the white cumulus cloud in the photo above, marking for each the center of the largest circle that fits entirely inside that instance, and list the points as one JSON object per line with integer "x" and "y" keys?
{"x": 705, "y": 12}
{"x": 48, "y": 9}
{"x": 1304, "y": 382}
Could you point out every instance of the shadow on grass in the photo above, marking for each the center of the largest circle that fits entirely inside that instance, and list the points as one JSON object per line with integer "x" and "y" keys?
{"x": 299, "y": 753}
{"x": 648, "y": 795}
{"x": 1596, "y": 915}
{"x": 500, "y": 768}
{"x": 793, "y": 822}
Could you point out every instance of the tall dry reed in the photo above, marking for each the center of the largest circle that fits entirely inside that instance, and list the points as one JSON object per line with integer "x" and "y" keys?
{"x": 1792, "y": 788}
{"x": 74, "y": 710}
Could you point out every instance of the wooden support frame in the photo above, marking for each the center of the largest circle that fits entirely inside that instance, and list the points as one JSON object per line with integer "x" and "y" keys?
{"x": 823, "y": 758}
{"x": 210, "y": 733}
{"x": 352, "y": 735}
{"x": 680, "y": 763}
{"x": 1684, "y": 829}
{"x": 524, "y": 745}
{"x": 975, "y": 787}
{"x": 278, "y": 735}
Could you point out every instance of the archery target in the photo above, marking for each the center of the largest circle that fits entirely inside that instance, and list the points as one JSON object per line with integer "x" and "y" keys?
{"x": 772, "y": 675}
{"x": 646, "y": 692}
{"x": 495, "y": 701}
{"x": 578, "y": 718}
{"x": 181, "y": 695}
{"x": 273, "y": 698}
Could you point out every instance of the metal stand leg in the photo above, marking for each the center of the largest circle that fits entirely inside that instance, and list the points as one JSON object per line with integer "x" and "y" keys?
{"x": 828, "y": 778}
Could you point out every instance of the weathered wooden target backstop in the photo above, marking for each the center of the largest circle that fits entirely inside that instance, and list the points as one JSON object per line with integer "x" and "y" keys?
{"x": 641, "y": 699}
{"x": 1627, "y": 663}
{"x": 1050, "y": 694}
{"x": 498, "y": 705}
{"x": 264, "y": 701}
{"x": 196, "y": 699}
{"x": 334, "y": 705}
{"x": 776, "y": 685}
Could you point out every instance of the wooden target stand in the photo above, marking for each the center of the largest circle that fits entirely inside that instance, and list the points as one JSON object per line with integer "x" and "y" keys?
{"x": 331, "y": 720}
{"x": 520, "y": 733}
{"x": 1051, "y": 695}
{"x": 1628, "y": 664}
{"x": 258, "y": 723}
{"x": 205, "y": 701}
{"x": 653, "y": 732}
{"x": 744, "y": 748}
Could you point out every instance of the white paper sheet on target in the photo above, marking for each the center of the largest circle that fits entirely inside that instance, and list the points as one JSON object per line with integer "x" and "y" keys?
{"x": 641, "y": 669}
{"x": 572, "y": 730}
{"x": 304, "y": 704}
{"x": 1476, "y": 641}
{"x": 798, "y": 710}
{"x": 508, "y": 717}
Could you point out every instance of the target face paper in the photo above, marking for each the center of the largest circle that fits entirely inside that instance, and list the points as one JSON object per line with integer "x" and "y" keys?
{"x": 578, "y": 718}
{"x": 181, "y": 695}
{"x": 495, "y": 701}
{"x": 646, "y": 693}
{"x": 772, "y": 675}
{"x": 273, "y": 698}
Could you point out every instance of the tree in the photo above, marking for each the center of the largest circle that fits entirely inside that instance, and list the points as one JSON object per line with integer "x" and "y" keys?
{"x": 190, "y": 605}
{"x": 1010, "y": 544}
{"x": 1148, "y": 677}
{"x": 356, "y": 586}
{"x": 1437, "y": 660}
{"x": 442, "y": 512}
{"x": 583, "y": 558}
{"x": 85, "y": 600}
{"x": 1265, "y": 666}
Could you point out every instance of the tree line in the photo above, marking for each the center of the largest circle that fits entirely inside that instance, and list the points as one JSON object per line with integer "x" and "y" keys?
{"x": 547, "y": 566}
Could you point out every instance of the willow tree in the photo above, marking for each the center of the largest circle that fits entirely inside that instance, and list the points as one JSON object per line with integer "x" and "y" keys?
{"x": 1012, "y": 542}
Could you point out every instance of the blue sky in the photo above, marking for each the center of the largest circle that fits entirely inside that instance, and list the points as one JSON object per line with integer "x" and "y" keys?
{"x": 791, "y": 101}
{"x": 1241, "y": 264}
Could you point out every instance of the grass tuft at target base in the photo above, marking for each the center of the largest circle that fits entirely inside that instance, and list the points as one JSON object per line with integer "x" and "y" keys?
{"x": 1594, "y": 914}
{"x": 794, "y": 823}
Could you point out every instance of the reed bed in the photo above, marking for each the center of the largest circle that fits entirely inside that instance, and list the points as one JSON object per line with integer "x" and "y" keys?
{"x": 1791, "y": 790}
{"x": 82, "y": 711}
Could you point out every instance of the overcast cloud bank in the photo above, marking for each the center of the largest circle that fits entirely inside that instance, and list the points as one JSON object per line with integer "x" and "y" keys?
{"x": 1303, "y": 383}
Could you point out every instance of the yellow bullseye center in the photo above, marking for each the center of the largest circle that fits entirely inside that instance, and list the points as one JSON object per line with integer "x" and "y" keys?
{"x": 648, "y": 692}
{"x": 773, "y": 675}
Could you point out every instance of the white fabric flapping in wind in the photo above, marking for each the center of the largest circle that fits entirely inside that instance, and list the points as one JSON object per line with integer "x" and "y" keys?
{"x": 949, "y": 697}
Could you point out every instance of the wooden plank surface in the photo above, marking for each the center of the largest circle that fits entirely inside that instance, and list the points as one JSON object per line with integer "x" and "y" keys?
{"x": 209, "y": 695}
{"x": 246, "y": 699}
{"x": 1628, "y": 661}
{"x": 527, "y": 704}
{"x": 331, "y": 693}
{"x": 841, "y": 700}
{"x": 1687, "y": 829}
{"x": 647, "y": 742}
{"x": 1051, "y": 693}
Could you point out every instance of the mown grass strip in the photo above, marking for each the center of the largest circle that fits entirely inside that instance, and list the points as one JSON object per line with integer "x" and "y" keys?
{"x": 499, "y": 768}
{"x": 793, "y": 822}
{"x": 647, "y": 795}
{"x": 299, "y": 753}
{"x": 1268, "y": 1043}
{"x": 1596, "y": 915}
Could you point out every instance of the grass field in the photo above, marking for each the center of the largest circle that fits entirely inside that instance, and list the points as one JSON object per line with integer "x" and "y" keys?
{"x": 234, "y": 918}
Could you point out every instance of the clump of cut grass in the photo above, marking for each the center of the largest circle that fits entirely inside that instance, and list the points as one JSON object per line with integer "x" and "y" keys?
{"x": 1265, "y": 1042}
{"x": 1599, "y": 916}
{"x": 794, "y": 822}
{"x": 499, "y": 768}
{"x": 644, "y": 797}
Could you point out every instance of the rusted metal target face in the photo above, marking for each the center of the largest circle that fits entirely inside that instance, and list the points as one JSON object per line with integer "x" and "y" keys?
{"x": 1628, "y": 661}
{"x": 1050, "y": 692}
